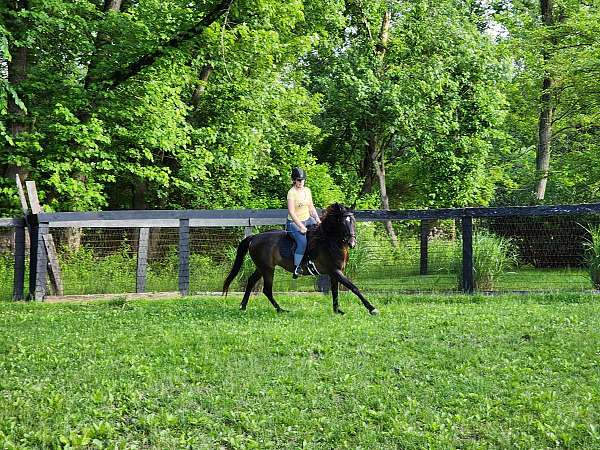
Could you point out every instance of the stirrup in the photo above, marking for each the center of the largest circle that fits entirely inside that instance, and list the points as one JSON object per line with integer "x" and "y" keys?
{"x": 297, "y": 271}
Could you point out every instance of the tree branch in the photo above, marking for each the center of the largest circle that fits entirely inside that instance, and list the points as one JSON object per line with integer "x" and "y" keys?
{"x": 120, "y": 76}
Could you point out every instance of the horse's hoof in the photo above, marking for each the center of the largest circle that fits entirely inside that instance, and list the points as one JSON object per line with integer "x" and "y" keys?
{"x": 339, "y": 311}
{"x": 374, "y": 312}
{"x": 243, "y": 309}
{"x": 282, "y": 310}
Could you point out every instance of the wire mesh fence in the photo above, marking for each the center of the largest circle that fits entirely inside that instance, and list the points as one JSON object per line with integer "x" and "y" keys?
{"x": 376, "y": 264}
{"x": 551, "y": 253}
{"x": 546, "y": 253}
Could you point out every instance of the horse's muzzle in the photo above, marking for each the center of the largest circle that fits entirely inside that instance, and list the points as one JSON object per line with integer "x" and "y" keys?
{"x": 352, "y": 242}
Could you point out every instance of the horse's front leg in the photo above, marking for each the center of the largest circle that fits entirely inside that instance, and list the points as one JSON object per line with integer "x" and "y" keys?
{"x": 350, "y": 285}
{"x": 334, "y": 294}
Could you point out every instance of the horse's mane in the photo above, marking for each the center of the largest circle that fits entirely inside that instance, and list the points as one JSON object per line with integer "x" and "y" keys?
{"x": 327, "y": 232}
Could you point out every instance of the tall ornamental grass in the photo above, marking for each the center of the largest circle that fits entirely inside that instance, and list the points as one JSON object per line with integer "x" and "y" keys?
{"x": 592, "y": 255}
{"x": 492, "y": 256}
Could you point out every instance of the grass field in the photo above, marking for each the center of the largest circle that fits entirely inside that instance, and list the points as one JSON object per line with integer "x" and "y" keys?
{"x": 430, "y": 371}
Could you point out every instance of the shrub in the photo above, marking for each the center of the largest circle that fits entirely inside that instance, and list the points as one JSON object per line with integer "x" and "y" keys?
{"x": 492, "y": 255}
{"x": 592, "y": 255}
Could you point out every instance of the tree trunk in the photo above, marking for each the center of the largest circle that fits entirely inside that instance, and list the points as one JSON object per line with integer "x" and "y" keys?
{"x": 376, "y": 147}
{"x": 139, "y": 195}
{"x": 201, "y": 86}
{"x": 73, "y": 237}
{"x": 17, "y": 72}
{"x": 542, "y": 160}
{"x": 376, "y": 154}
{"x": 100, "y": 40}
{"x": 112, "y": 5}
{"x": 366, "y": 173}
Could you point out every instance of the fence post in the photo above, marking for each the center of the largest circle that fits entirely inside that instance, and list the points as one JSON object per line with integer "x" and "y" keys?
{"x": 467, "y": 263}
{"x": 19, "y": 269}
{"x": 142, "y": 260}
{"x": 184, "y": 256}
{"x": 248, "y": 231}
{"x": 38, "y": 261}
{"x": 425, "y": 224}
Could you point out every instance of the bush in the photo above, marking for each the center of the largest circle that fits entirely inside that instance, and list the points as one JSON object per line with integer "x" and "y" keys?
{"x": 592, "y": 255}
{"x": 492, "y": 255}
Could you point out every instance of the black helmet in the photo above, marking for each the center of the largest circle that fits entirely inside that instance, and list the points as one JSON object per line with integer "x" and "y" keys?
{"x": 298, "y": 174}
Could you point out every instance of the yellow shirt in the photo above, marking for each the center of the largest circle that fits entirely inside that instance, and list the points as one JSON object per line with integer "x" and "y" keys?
{"x": 302, "y": 199}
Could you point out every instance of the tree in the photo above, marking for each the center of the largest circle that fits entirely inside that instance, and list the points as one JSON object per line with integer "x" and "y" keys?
{"x": 553, "y": 107}
{"x": 420, "y": 97}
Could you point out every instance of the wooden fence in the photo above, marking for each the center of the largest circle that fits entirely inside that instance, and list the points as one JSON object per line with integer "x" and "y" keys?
{"x": 39, "y": 226}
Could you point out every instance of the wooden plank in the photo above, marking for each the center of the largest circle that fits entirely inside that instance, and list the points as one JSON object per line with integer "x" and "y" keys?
{"x": 22, "y": 198}
{"x": 55, "y": 273}
{"x": 100, "y": 297}
{"x": 184, "y": 256}
{"x": 425, "y": 227}
{"x": 119, "y": 223}
{"x": 218, "y": 214}
{"x": 37, "y": 283}
{"x": 268, "y": 221}
{"x": 467, "y": 253}
{"x": 141, "y": 218}
{"x": 34, "y": 202}
{"x": 451, "y": 213}
{"x": 149, "y": 223}
{"x": 219, "y": 222}
{"x": 142, "y": 260}
{"x": 19, "y": 269}
{"x": 8, "y": 222}
{"x": 33, "y": 252}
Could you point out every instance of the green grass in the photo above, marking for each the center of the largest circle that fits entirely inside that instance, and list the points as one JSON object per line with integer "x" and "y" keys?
{"x": 438, "y": 372}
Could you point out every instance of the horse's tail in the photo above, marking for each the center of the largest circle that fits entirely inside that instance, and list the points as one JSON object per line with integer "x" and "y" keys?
{"x": 237, "y": 265}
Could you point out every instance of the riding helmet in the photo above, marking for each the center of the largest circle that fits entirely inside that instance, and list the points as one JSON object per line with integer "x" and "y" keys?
{"x": 298, "y": 174}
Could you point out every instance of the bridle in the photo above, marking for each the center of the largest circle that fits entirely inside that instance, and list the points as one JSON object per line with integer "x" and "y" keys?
{"x": 350, "y": 235}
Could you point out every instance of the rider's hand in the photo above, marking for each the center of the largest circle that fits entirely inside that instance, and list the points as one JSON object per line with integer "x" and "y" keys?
{"x": 303, "y": 229}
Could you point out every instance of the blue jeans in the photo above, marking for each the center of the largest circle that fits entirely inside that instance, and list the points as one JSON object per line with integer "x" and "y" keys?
{"x": 300, "y": 238}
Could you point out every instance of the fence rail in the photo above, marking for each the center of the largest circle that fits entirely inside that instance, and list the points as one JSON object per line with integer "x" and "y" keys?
{"x": 40, "y": 225}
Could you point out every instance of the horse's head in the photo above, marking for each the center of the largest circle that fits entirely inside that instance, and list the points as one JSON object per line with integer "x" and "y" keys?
{"x": 339, "y": 221}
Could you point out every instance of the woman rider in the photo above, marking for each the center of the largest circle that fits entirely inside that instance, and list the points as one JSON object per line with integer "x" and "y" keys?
{"x": 301, "y": 214}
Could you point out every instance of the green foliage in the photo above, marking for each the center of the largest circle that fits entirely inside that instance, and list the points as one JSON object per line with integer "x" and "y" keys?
{"x": 6, "y": 276}
{"x": 431, "y": 104}
{"x": 196, "y": 373}
{"x": 83, "y": 272}
{"x": 566, "y": 52}
{"x": 592, "y": 247}
{"x": 492, "y": 256}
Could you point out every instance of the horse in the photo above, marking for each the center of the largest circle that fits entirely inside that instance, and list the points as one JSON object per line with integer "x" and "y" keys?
{"x": 327, "y": 250}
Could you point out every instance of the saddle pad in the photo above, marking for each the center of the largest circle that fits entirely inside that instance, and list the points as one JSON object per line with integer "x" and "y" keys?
{"x": 287, "y": 245}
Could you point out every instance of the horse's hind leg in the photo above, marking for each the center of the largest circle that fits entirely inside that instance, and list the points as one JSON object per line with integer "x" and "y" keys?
{"x": 251, "y": 282}
{"x": 268, "y": 287}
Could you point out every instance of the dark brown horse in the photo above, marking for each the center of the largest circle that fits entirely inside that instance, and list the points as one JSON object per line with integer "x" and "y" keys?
{"x": 327, "y": 248}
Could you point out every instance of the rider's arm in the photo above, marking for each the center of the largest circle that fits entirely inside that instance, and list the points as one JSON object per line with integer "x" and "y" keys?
{"x": 313, "y": 211}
